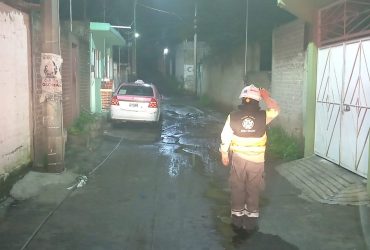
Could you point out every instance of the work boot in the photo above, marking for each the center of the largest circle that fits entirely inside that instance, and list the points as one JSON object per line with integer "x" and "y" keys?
{"x": 237, "y": 221}
{"x": 238, "y": 230}
{"x": 250, "y": 224}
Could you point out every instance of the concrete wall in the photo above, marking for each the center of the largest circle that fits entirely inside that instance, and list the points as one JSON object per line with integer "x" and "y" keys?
{"x": 185, "y": 57}
{"x": 222, "y": 77}
{"x": 15, "y": 94}
{"x": 288, "y": 60}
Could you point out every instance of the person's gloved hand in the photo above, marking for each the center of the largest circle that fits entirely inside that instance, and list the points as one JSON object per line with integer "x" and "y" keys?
{"x": 264, "y": 94}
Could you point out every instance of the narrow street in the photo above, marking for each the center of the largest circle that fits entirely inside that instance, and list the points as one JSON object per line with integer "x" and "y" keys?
{"x": 74, "y": 176}
{"x": 149, "y": 194}
{"x": 164, "y": 188}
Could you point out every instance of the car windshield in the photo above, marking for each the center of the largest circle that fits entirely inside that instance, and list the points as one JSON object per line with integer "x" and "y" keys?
{"x": 135, "y": 90}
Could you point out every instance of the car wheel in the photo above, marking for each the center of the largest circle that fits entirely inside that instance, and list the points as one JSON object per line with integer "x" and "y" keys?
{"x": 113, "y": 123}
{"x": 158, "y": 124}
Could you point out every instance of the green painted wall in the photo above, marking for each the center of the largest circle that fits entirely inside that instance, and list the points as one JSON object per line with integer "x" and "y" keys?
{"x": 310, "y": 102}
{"x": 97, "y": 44}
{"x": 368, "y": 174}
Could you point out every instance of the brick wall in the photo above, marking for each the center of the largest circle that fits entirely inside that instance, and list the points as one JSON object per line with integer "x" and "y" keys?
{"x": 81, "y": 32}
{"x": 68, "y": 89}
{"x": 84, "y": 75}
{"x": 288, "y": 58}
{"x": 106, "y": 96}
{"x": 76, "y": 95}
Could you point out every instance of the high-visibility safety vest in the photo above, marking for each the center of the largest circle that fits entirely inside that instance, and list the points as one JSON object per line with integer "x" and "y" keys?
{"x": 244, "y": 132}
{"x": 246, "y": 123}
{"x": 249, "y": 127}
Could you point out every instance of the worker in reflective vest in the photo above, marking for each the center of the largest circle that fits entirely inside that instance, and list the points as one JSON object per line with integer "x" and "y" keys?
{"x": 244, "y": 141}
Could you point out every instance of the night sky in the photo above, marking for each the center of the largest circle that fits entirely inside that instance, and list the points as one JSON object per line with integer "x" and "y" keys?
{"x": 221, "y": 23}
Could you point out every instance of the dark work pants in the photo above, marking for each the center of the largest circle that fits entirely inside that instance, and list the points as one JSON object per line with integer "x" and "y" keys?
{"x": 246, "y": 182}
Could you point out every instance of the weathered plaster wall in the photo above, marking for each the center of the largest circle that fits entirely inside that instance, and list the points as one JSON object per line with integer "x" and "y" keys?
{"x": 184, "y": 62}
{"x": 15, "y": 93}
{"x": 222, "y": 79}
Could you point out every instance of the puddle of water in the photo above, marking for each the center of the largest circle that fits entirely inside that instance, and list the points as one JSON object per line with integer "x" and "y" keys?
{"x": 195, "y": 158}
{"x": 192, "y": 116}
{"x": 179, "y": 149}
{"x": 173, "y": 130}
{"x": 168, "y": 149}
{"x": 171, "y": 113}
{"x": 170, "y": 139}
{"x": 176, "y": 165}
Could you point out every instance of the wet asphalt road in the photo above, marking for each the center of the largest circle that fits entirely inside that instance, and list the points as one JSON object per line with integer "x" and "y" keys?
{"x": 149, "y": 194}
{"x": 164, "y": 188}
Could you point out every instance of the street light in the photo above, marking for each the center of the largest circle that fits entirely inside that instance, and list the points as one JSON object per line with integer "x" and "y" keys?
{"x": 137, "y": 35}
{"x": 165, "y": 53}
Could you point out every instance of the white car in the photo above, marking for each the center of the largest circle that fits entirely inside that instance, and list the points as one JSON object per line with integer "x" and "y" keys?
{"x": 137, "y": 101}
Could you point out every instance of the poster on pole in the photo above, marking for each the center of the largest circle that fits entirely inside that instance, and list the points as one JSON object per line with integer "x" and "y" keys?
{"x": 51, "y": 79}
{"x": 50, "y": 65}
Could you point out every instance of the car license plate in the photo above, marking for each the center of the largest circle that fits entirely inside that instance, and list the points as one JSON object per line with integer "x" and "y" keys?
{"x": 133, "y": 105}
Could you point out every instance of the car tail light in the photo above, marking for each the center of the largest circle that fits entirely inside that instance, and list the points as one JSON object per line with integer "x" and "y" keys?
{"x": 114, "y": 101}
{"x": 153, "y": 103}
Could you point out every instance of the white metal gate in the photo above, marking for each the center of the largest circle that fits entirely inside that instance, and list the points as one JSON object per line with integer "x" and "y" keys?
{"x": 343, "y": 105}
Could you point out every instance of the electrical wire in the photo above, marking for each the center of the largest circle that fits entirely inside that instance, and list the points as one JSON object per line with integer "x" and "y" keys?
{"x": 71, "y": 190}
{"x": 159, "y": 10}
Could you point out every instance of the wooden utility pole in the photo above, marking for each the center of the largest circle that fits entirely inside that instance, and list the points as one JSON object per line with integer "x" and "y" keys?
{"x": 52, "y": 87}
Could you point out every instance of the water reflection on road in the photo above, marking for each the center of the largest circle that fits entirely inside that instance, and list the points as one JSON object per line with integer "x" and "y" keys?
{"x": 188, "y": 139}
